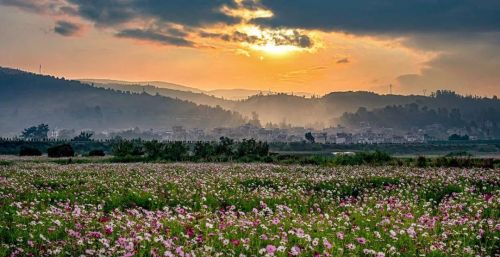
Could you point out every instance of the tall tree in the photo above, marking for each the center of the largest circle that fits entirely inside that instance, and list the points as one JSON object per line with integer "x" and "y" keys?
{"x": 39, "y": 132}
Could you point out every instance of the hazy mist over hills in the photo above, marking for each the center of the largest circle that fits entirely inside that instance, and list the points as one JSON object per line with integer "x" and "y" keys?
{"x": 325, "y": 111}
{"x": 27, "y": 99}
{"x": 158, "y": 86}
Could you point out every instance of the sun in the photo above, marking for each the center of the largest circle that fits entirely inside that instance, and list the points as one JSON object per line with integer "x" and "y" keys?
{"x": 269, "y": 41}
{"x": 273, "y": 49}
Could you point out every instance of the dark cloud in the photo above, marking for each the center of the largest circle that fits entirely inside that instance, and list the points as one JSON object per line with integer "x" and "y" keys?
{"x": 354, "y": 16}
{"x": 106, "y": 12}
{"x": 189, "y": 13}
{"x": 67, "y": 28}
{"x": 50, "y": 7}
{"x": 342, "y": 61}
{"x": 27, "y": 5}
{"x": 279, "y": 38}
{"x": 149, "y": 35}
{"x": 388, "y": 16}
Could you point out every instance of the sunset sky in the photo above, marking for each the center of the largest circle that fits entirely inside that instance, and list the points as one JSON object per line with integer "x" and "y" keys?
{"x": 315, "y": 46}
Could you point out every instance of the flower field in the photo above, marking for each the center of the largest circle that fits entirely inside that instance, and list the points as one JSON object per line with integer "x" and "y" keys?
{"x": 246, "y": 210}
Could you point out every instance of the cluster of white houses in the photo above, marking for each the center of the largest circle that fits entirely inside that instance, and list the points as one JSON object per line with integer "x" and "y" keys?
{"x": 335, "y": 135}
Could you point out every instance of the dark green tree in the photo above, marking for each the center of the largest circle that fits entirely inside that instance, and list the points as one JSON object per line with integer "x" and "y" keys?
{"x": 122, "y": 148}
{"x": 225, "y": 147}
{"x": 64, "y": 150}
{"x": 309, "y": 137}
{"x": 29, "y": 151}
{"x": 176, "y": 151}
{"x": 85, "y": 136}
{"x": 153, "y": 149}
{"x": 204, "y": 151}
{"x": 36, "y": 132}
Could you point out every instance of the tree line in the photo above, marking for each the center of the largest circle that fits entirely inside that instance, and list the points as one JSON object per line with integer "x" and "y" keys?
{"x": 225, "y": 149}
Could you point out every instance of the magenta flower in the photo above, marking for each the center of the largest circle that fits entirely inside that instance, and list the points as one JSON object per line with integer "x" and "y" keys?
{"x": 271, "y": 249}
{"x": 361, "y": 240}
{"x": 295, "y": 251}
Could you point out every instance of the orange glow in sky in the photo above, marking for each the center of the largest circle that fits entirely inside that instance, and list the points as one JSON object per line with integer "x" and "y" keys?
{"x": 243, "y": 55}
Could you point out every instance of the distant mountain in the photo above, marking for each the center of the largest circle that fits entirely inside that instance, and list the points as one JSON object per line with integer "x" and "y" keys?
{"x": 227, "y": 94}
{"x": 234, "y": 94}
{"x": 477, "y": 115}
{"x": 324, "y": 111}
{"x": 195, "y": 97}
{"x": 27, "y": 99}
{"x": 159, "y": 84}
{"x": 315, "y": 112}
{"x": 243, "y": 94}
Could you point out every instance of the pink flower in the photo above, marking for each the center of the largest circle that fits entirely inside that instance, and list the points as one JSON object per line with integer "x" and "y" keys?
{"x": 409, "y": 216}
{"x": 361, "y": 240}
{"x": 295, "y": 251}
{"x": 109, "y": 230}
{"x": 350, "y": 246}
{"x": 327, "y": 244}
{"x": 235, "y": 242}
{"x": 179, "y": 251}
{"x": 271, "y": 249}
{"x": 340, "y": 235}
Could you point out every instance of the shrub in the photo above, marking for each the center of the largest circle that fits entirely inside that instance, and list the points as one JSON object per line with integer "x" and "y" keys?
{"x": 64, "y": 150}
{"x": 29, "y": 151}
{"x": 125, "y": 148}
{"x": 459, "y": 154}
{"x": 421, "y": 162}
{"x": 97, "y": 153}
{"x": 372, "y": 158}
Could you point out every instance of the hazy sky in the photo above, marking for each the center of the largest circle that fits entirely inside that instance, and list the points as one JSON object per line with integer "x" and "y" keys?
{"x": 283, "y": 45}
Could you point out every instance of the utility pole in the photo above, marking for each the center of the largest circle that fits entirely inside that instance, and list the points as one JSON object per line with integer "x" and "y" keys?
{"x": 40, "y": 69}
{"x": 390, "y": 89}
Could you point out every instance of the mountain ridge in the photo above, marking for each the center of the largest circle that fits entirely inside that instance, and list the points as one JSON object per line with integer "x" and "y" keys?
{"x": 27, "y": 99}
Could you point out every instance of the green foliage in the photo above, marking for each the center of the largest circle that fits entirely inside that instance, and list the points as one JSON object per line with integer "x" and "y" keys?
{"x": 458, "y": 137}
{"x": 29, "y": 151}
{"x": 64, "y": 150}
{"x": 153, "y": 149}
{"x": 309, "y": 137}
{"x": 124, "y": 148}
{"x": 360, "y": 158}
{"x": 83, "y": 136}
{"x": 204, "y": 151}
{"x": 97, "y": 152}
{"x": 225, "y": 147}
{"x": 255, "y": 183}
{"x": 36, "y": 132}
{"x": 459, "y": 162}
{"x": 176, "y": 151}
{"x": 436, "y": 193}
{"x": 6, "y": 163}
{"x": 252, "y": 147}
{"x": 459, "y": 154}
{"x": 421, "y": 162}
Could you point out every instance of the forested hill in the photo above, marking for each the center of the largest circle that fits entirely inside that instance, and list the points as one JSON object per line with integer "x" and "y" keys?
{"x": 444, "y": 108}
{"x": 325, "y": 110}
{"x": 27, "y": 99}
{"x": 187, "y": 94}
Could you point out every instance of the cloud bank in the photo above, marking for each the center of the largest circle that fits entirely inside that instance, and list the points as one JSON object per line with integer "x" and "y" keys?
{"x": 465, "y": 34}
